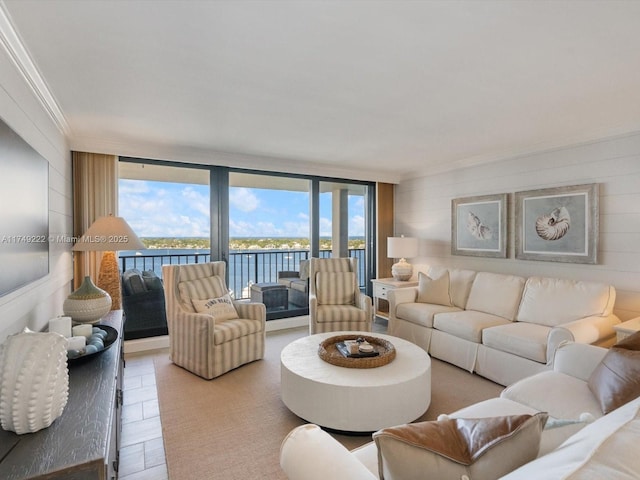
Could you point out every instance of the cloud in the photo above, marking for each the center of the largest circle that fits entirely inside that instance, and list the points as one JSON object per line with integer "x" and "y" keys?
{"x": 243, "y": 199}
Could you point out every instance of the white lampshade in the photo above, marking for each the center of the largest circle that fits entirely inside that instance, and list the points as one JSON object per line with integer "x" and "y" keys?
{"x": 108, "y": 234}
{"x": 402, "y": 247}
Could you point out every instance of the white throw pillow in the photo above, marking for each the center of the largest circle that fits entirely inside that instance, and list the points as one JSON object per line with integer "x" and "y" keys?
{"x": 220, "y": 308}
{"x": 434, "y": 290}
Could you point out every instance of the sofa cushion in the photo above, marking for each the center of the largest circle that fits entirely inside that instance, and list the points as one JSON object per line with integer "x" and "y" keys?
{"x": 526, "y": 340}
{"x": 616, "y": 379}
{"x": 496, "y": 294}
{"x": 467, "y": 325}
{"x": 340, "y": 313}
{"x": 151, "y": 280}
{"x": 300, "y": 285}
{"x": 304, "y": 270}
{"x": 133, "y": 282}
{"x": 606, "y": 448}
{"x": 434, "y": 290}
{"x": 335, "y": 288}
{"x": 561, "y": 395}
{"x": 481, "y": 448}
{"x": 460, "y": 282}
{"x": 554, "y": 301}
{"x": 421, "y": 313}
{"x": 220, "y": 308}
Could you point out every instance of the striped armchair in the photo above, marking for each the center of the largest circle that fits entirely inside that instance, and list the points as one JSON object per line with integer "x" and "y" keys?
{"x": 335, "y": 301}
{"x": 200, "y": 342}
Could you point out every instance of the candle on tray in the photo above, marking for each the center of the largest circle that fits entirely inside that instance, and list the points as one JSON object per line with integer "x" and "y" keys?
{"x": 61, "y": 325}
{"x": 84, "y": 329}
{"x": 77, "y": 343}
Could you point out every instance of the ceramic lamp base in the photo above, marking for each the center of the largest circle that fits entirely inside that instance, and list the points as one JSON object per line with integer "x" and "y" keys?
{"x": 402, "y": 270}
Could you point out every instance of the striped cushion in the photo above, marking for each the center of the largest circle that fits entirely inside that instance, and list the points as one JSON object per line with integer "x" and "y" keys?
{"x": 349, "y": 314}
{"x": 202, "y": 288}
{"x": 228, "y": 330}
{"x": 335, "y": 288}
{"x": 195, "y": 271}
{"x": 342, "y": 264}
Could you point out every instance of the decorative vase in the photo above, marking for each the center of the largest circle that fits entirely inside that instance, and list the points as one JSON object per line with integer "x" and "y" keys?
{"x": 34, "y": 381}
{"x": 88, "y": 304}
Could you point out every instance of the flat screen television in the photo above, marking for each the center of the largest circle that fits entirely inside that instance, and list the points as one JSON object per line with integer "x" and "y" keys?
{"x": 24, "y": 212}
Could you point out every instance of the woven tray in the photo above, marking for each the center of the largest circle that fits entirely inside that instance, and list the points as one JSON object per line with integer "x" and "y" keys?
{"x": 329, "y": 353}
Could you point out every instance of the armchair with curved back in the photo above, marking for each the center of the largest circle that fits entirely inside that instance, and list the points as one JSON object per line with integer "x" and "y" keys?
{"x": 200, "y": 342}
{"x": 335, "y": 300}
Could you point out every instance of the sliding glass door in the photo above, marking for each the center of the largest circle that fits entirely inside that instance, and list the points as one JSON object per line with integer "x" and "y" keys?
{"x": 264, "y": 225}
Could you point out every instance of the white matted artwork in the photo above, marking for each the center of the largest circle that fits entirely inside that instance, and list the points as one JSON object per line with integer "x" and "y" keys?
{"x": 558, "y": 224}
{"x": 479, "y": 226}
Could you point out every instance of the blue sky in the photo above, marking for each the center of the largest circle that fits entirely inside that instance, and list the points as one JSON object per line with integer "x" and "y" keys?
{"x": 161, "y": 209}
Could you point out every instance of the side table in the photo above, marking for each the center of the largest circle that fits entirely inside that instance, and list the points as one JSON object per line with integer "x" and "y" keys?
{"x": 381, "y": 287}
{"x": 627, "y": 328}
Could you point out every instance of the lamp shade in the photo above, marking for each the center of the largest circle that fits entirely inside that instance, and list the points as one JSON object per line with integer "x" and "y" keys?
{"x": 402, "y": 247}
{"x": 108, "y": 234}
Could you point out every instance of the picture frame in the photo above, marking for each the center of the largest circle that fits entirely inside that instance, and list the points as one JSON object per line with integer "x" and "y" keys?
{"x": 559, "y": 224}
{"x": 479, "y": 226}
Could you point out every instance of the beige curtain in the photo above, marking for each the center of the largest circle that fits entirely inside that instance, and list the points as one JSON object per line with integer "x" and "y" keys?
{"x": 95, "y": 194}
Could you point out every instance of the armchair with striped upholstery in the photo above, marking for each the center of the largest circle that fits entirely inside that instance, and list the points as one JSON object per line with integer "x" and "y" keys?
{"x": 201, "y": 342}
{"x": 335, "y": 300}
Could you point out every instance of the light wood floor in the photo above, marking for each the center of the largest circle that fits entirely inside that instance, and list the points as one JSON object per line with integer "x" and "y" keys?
{"x": 141, "y": 449}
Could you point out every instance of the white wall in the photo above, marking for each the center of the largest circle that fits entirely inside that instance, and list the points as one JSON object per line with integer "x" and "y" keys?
{"x": 423, "y": 209}
{"x": 33, "y": 305}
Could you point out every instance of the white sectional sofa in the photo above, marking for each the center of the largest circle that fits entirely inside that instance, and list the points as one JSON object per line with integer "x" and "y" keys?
{"x": 577, "y": 450}
{"x": 503, "y": 327}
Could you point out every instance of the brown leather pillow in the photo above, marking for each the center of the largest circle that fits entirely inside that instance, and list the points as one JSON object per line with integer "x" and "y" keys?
{"x": 616, "y": 380}
{"x": 481, "y": 448}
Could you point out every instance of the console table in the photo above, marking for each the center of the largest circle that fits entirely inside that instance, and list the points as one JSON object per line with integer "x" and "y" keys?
{"x": 83, "y": 443}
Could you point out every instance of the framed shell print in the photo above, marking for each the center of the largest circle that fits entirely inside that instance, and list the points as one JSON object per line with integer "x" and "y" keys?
{"x": 558, "y": 224}
{"x": 479, "y": 226}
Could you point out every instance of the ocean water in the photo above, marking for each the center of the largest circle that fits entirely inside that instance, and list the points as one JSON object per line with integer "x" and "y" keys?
{"x": 246, "y": 267}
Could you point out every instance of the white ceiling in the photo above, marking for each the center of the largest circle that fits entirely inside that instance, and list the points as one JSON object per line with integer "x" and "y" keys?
{"x": 377, "y": 89}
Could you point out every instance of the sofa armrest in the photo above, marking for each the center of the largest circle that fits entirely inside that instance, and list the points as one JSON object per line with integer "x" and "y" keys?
{"x": 310, "y": 453}
{"x": 363, "y": 302}
{"x": 588, "y": 330}
{"x": 577, "y": 359}
{"x": 251, "y": 310}
{"x": 400, "y": 295}
{"x": 288, "y": 274}
{"x": 313, "y": 305}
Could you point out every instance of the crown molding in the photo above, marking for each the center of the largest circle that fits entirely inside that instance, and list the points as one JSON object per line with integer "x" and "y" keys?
{"x": 12, "y": 44}
{"x": 203, "y": 156}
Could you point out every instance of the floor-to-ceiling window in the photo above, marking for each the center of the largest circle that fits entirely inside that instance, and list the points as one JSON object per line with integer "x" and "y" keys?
{"x": 269, "y": 238}
{"x": 264, "y": 225}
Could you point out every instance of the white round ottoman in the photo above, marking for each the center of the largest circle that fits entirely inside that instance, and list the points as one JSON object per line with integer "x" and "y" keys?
{"x": 355, "y": 399}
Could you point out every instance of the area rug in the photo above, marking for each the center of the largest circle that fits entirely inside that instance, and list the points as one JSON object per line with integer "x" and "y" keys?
{"x": 232, "y": 427}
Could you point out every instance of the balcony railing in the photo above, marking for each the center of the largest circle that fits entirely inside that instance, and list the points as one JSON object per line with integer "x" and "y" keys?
{"x": 245, "y": 267}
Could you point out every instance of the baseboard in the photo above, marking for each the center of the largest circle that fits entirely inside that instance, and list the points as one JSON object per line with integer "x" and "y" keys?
{"x": 144, "y": 344}
{"x": 284, "y": 323}
{"x": 156, "y": 343}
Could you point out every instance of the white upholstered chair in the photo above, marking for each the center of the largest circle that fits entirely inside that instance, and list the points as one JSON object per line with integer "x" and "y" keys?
{"x": 335, "y": 300}
{"x": 204, "y": 343}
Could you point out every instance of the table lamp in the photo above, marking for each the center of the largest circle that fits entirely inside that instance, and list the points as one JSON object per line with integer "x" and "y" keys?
{"x": 402, "y": 247}
{"x": 109, "y": 234}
